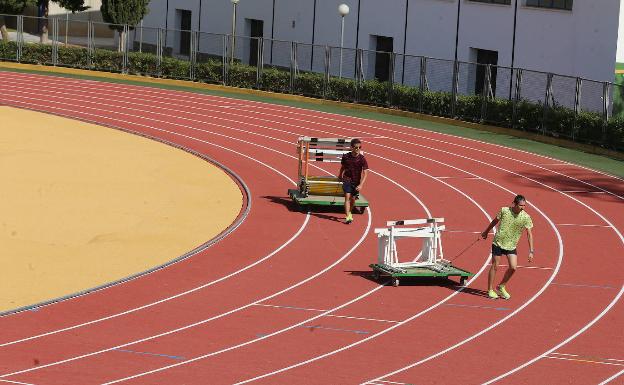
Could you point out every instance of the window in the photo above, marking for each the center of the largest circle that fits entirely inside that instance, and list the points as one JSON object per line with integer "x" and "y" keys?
{"x": 555, "y": 4}
{"x": 506, "y": 2}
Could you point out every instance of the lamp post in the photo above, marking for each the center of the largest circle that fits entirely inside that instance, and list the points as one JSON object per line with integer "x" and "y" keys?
{"x": 234, "y": 4}
{"x": 343, "y": 10}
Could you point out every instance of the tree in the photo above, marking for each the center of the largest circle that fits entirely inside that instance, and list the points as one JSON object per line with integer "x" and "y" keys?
{"x": 44, "y": 6}
{"x": 11, "y": 7}
{"x": 120, "y": 12}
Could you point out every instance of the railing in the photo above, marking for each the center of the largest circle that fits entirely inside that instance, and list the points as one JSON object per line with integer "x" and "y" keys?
{"x": 563, "y": 106}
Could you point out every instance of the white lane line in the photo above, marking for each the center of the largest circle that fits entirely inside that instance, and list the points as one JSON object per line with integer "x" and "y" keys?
{"x": 583, "y": 360}
{"x": 458, "y": 177}
{"x": 581, "y": 225}
{"x": 613, "y": 377}
{"x": 16, "y": 382}
{"x": 580, "y": 356}
{"x": 582, "y": 192}
{"x": 325, "y": 310}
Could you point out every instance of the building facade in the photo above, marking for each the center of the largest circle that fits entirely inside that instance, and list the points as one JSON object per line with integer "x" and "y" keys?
{"x": 568, "y": 37}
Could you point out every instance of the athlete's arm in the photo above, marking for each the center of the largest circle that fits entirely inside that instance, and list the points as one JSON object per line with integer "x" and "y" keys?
{"x": 485, "y": 232}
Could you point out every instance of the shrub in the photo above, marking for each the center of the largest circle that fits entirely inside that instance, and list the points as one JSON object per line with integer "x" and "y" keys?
{"x": 557, "y": 120}
{"x": 8, "y": 50}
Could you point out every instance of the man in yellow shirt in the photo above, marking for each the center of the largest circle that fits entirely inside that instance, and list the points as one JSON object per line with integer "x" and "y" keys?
{"x": 513, "y": 220}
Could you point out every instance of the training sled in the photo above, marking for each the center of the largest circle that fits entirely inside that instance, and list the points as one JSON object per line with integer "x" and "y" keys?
{"x": 429, "y": 262}
{"x": 321, "y": 190}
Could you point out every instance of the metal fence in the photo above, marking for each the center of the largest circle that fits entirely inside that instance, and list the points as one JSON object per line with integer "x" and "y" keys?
{"x": 545, "y": 103}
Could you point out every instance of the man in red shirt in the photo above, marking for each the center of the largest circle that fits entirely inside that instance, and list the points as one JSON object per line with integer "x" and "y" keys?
{"x": 353, "y": 171}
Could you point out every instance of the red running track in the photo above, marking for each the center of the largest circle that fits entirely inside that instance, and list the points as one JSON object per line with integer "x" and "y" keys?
{"x": 287, "y": 299}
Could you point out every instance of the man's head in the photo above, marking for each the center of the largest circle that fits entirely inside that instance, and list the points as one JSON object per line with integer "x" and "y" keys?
{"x": 356, "y": 146}
{"x": 519, "y": 203}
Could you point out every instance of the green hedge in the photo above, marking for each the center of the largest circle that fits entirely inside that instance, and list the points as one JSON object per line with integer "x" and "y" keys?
{"x": 558, "y": 120}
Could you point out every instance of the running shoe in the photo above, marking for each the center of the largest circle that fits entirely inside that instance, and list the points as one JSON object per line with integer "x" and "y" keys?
{"x": 492, "y": 294}
{"x": 503, "y": 292}
{"x": 349, "y": 219}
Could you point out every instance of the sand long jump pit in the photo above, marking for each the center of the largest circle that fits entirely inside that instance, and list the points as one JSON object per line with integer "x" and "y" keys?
{"x": 83, "y": 205}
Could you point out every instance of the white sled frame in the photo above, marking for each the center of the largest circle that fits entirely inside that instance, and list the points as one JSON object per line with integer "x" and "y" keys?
{"x": 431, "y": 253}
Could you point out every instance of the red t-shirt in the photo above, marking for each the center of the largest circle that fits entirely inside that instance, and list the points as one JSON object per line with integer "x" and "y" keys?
{"x": 353, "y": 166}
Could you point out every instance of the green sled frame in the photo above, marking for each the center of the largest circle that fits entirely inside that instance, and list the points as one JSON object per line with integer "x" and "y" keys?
{"x": 323, "y": 200}
{"x": 440, "y": 269}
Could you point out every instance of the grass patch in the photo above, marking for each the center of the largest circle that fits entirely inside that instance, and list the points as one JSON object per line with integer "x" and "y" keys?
{"x": 619, "y": 66}
{"x": 596, "y": 162}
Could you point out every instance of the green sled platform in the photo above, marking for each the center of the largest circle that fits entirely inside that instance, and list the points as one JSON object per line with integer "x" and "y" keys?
{"x": 323, "y": 200}
{"x": 440, "y": 269}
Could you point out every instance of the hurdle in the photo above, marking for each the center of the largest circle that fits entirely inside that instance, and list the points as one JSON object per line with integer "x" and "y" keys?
{"x": 321, "y": 190}
{"x": 429, "y": 262}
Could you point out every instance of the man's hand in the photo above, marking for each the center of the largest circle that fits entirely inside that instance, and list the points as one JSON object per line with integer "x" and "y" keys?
{"x": 530, "y": 256}
{"x": 358, "y": 187}
{"x": 484, "y": 234}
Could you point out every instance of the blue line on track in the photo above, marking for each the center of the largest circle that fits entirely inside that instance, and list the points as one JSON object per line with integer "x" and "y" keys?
{"x": 151, "y": 354}
{"x": 313, "y": 327}
{"x": 292, "y": 307}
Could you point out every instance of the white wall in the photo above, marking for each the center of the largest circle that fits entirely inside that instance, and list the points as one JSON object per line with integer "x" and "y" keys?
{"x": 578, "y": 43}
{"x": 581, "y": 42}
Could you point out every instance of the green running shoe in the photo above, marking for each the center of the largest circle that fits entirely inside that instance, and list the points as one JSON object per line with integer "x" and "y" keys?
{"x": 492, "y": 294}
{"x": 503, "y": 292}
{"x": 349, "y": 219}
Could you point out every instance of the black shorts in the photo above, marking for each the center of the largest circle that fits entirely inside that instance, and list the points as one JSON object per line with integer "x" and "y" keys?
{"x": 496, "y": 251}
{"x": 349, "y": 188}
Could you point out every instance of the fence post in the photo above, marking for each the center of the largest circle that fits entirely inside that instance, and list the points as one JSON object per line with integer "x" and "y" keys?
{"x": 454, "y": 88}
{"x": 193, "y": 55}
{"x": 159, "y": 51}
{"x": 422, "y": 84}
{"x": 124, "y": 45}
{"x": 141, "y": 37}
{"x": 260, "y": 62}
{"x": 293, "y": 61}
{"x": 487, "y": 85}
{"x": 20, "y": 37}
{"x": 606, "y": 91}
{"x": 577, "y": 105}
{"x": 90, "y": 43}
{"x": 327, "y": 66}
{"x": 391, "y": 77}
{"x": 55, "y": 40}
{"x": 516, "y": 98}
{"x": 359, "y": 59}
{"x": 547, "y": 96}
{"x": 224, "y": 60}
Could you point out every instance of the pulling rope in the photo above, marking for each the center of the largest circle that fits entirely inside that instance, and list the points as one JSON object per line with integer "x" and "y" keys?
{"x": 466, "y": 249}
